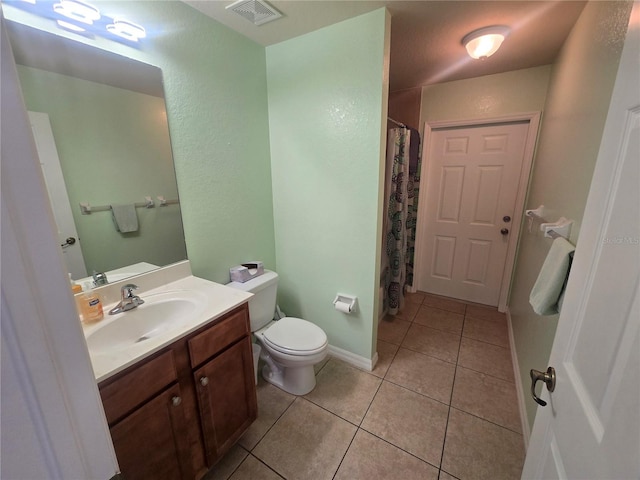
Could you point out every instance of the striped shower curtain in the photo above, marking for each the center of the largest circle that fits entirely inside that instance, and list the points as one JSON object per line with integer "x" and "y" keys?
{"x": 402, "y": 187}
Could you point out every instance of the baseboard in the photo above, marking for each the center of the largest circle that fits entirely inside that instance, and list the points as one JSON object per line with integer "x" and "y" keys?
{"x": 524, "y": 421}
{"x": 353, "y": 359}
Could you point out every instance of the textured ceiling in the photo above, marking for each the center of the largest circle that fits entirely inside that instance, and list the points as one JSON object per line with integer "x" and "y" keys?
{"x": 426, "y": 35}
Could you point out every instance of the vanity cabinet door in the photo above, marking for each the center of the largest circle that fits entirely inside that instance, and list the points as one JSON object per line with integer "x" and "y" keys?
{"x": 226, "y": 397}
{"x": 152, "y": 442}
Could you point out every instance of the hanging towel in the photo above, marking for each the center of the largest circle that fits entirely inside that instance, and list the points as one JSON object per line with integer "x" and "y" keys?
{"x": 549, "y": 287}
{"x": 125, "y": 218}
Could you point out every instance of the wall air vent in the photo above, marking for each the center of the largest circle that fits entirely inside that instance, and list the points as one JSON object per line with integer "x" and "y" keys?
{"x": 256, "y": 11}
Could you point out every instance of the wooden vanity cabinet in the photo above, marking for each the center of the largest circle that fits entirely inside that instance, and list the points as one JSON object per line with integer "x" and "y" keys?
{"x": 225, "y": 398}
{"x": 151, "y": 442}
{"x": 175, "y": 414}
{"x": 224, "y": 380}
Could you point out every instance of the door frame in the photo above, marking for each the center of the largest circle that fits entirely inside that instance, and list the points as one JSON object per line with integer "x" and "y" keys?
{"x": 57, "y": 192}
{"x": 533, "y": 118}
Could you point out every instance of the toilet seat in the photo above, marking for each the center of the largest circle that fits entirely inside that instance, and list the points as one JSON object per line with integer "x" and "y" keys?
{"x": 295, "y": 336}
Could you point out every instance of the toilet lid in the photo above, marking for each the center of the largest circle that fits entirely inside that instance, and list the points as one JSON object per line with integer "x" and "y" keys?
{"x": 295, "y": 336}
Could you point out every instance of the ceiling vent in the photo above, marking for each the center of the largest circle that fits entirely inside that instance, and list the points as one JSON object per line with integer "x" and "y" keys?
{"x": 256, "y": 11}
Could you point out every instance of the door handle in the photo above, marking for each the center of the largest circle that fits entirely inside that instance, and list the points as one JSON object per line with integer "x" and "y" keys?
{"x": 70, "y": 241}
{"x": 548, "y": 377}
{"x": 504, "y": 231}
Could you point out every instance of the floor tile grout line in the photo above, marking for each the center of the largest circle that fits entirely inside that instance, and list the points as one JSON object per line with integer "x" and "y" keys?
{"x": 438, "y": 330}
{"x": 417, "y": 393}
{"x": 265, "y": 464}
{"x": 452, "y": 476}
{"x": 485, "y": 373}
{"x": 486, "y": 420}
{"x": 372, "y": 400}
{"x": 238, "y": 466}
{"x": 398, "y": 447}
{"x": 443, "y": 309}
{"x": 272, "y": 425}
{"x": 432, "y": 356}
{"x": 484, "y": 341}
{"x": 358, "y": 426}
{"x": 453, "y": 386}
{"x": 332, "y": 413}
{"x": 395, "y": 354}
{"x": 345, "y": 453}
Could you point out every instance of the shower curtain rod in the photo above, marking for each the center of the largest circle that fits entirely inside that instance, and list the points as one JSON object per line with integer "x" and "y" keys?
{"x": 400, "y": 124}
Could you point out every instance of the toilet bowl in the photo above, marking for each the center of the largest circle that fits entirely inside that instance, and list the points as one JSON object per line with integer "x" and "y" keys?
{"x": 290, "y": 346}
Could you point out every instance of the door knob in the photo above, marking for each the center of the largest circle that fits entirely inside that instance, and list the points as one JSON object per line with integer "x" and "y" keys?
{"x": 506, "y": 219}
{"x": 175, "y": 401}
{"x": 204, "y": 381}
{"x": 68, "y": 242}
{"x": 548, "y": 377}
{"x": 504, "y": 231}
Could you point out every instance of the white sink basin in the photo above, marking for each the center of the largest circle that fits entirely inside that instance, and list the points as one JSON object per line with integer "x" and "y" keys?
{"x": 161, "y": 313}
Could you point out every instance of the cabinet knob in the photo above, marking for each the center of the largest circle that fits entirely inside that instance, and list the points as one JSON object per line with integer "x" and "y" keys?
{"x": 175, "y": 401}
{"x": 204, "y": 381}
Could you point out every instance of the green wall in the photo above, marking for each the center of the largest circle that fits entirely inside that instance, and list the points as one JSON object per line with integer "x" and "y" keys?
{"x": 216, "y": 97}
{"x": 327, "y": 101}
{"x": 580, "y": 89}
{"x": 518, "y": 91}
{"x": 114, "y": 147}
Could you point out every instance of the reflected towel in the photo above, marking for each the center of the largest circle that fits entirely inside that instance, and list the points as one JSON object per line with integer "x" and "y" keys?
{"x": 125, "y": 218}
{"x": 549, "y": 287}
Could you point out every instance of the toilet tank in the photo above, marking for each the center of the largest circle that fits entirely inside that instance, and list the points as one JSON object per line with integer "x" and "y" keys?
{"x": 262, "y": 305}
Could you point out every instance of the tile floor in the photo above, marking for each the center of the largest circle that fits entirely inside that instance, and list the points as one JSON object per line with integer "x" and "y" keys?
{"x": 440, "y": 405}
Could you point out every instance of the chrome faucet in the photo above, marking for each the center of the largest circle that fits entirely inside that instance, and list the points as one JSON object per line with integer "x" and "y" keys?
{"x": 128, "y": 301}
{"x": 99, "y": 278}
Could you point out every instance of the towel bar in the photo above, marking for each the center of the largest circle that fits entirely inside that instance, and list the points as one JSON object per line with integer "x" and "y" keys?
{"x": 86, "y": 208}
{"x": 560, "y": 228}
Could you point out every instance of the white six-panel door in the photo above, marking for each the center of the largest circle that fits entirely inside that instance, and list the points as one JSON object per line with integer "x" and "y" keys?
{"x": 473, "y": 177}
{"x": 590, "y": 428}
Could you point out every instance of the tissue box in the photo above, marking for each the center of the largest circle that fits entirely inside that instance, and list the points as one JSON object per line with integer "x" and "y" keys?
{"x": 246, "y": 271}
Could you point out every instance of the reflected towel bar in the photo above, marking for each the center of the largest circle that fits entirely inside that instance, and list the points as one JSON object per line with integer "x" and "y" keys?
{"x": 86, "y": 208}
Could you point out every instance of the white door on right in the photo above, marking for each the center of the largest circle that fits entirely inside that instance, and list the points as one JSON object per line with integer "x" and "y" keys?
{"x": 472, "y": 183}
{"x": 590, "y": 427}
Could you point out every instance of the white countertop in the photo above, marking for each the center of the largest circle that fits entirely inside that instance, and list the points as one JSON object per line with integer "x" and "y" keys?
{"x": 219, "y": 300}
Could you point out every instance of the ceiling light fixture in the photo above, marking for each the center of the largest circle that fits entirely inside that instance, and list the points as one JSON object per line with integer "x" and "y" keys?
{"x": 484, "y": 42}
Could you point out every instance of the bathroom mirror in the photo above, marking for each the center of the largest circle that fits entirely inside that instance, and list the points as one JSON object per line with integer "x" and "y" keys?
{"x": 104, "y": 116}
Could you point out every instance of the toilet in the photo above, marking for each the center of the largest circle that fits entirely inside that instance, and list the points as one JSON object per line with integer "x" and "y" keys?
{"x": 290, "y": 346}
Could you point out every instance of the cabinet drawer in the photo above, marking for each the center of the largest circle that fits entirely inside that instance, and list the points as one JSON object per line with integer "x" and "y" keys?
{"x": 132, "y": 389}
{"x": 206, "y": 344}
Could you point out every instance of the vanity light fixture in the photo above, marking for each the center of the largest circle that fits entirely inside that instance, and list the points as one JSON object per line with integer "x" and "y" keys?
{"x": 77, "y": 10}
{"x": 126, "y": 29}
{"x": 70, "y": 26}
{"x": 484, "y": 42}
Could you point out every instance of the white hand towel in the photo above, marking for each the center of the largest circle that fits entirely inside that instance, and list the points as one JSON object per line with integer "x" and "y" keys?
{"x": 551, "y": 281}
{"x": 125, "y": 218}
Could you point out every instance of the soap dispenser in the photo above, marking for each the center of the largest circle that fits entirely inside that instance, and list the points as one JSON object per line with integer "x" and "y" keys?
{"x": 77, "y": 289}
{"x": 91, "y": 306}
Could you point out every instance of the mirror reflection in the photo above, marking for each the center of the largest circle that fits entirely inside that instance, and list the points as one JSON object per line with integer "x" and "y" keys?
{"x": 101, "y": 130}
